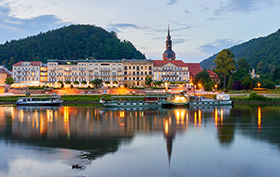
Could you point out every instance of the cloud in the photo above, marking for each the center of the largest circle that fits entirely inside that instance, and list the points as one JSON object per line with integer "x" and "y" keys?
{"x": 243, "y": 6}
{"x": 187, "y": 11}
{"x": 15, "y": 28}
{"x": 171, "y": 2}
{"x": 179, "y": 41}
{"x": 216, "y": 46}
{"x": 118, "y": 26}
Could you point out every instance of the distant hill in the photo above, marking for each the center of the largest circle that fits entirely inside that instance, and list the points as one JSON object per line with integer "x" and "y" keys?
{"x": 71, "y": 42}
{"x": 262, "y": 53}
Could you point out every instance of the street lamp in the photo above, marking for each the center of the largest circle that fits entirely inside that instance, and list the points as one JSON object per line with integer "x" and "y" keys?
{"x": 199, "y": 86}
{"x": 166, "y": 86}
{"x": 259, "y": 84}
{"x": 216, "y": 87}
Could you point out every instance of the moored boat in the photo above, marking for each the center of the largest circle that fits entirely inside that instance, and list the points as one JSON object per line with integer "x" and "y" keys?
{"x": 39, "y": 101}
{"x": 221, "y": 99}
{"x": 181, "y": 100}
{"x": 148, "y": 101}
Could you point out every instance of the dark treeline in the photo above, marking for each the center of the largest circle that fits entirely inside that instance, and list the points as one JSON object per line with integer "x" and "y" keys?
{"x": 71, "y": 42}
{"x": 262, "y": 54}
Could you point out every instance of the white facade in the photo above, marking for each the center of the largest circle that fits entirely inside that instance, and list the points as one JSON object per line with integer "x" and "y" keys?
{"x": 84, "y": 70}
{"x": 26, "y": 72}
{"x": 171, "y": 71}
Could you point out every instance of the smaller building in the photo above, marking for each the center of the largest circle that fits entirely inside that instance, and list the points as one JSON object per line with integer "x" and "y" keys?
{"x": 27, "y": 72}
{"x": 214, "y": 76}
{"x": 135, "y": 71}
{"x": 4, "y": 73}
{"x": 171, "y": 70}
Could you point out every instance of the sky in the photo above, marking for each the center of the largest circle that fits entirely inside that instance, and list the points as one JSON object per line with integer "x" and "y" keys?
{"x": 199, "y": 28}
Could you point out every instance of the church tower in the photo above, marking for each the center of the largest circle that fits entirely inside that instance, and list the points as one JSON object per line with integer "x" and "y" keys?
{"x": 168, "y": 54}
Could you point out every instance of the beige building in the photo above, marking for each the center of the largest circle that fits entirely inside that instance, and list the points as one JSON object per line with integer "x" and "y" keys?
{"x": 135, "y": 71}
{"x": 129, "y": 72}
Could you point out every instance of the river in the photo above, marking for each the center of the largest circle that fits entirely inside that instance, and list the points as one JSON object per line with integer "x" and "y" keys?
{"x": 239, "y": 141}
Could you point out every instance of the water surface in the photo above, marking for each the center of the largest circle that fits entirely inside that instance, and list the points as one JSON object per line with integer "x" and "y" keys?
{"x": 223, "y": 141}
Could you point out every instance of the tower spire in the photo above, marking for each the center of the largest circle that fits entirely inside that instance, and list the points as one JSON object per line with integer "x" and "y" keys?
{"x": 169, "y": 54}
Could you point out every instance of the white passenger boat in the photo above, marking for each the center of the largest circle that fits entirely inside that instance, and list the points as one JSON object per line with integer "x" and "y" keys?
{"x": 221, "y": 99}
{"x": 39, "y": 101}
{"x": 129, "y": 103}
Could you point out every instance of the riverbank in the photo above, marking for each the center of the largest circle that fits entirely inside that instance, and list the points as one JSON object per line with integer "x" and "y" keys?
{"x": 94, "y": 99}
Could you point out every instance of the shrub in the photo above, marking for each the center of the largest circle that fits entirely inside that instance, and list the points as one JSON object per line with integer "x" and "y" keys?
{"x": 255, "y": 96}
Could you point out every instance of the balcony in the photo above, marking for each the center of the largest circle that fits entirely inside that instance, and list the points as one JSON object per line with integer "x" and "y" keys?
{"x": 67, "y": 70}
{"x": 105, "y": 69}
{"x": 82, "y": 69}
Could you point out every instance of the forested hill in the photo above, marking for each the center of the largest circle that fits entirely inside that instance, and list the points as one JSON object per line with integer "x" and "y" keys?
{"x": 262, "y": 53}
{"x": 71, "y": 42}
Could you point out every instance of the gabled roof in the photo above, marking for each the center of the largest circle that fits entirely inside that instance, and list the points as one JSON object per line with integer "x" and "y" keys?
{"x": 160, "y": 63}
{"x": 32, "y": 63}
{"x": 210, "y": 72}
{"x": 194, "y": 68}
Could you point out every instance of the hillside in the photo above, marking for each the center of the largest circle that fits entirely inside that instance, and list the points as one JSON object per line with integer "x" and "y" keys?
{"x": 71, "y": 42}
{"x": 262, "y": 53}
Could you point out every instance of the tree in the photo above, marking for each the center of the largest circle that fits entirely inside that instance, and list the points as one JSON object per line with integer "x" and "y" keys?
{"x": 97, "y": 82}
{"x": 247, "y": 83}
{"x": 76, "y": 83}
{"x": 148, "y": 80}
{"x": 268, "y": 84}
{"x": 115, "y": 82}
{"x": 107, "y": 82}
{"x": 158, "y": 83}
{"x": 242, "y": 63}
{"x": 201, "y": 77}
{"x": 61, "y": 84}
{"x": 84, "y": 82}
{"x": 240, "y": 74}
{"x": 237, "y": 85}
{"x": 9, "y": 80}
{"x": 276, "y": 73}
{"x": 225, "y": 64}
{"x": 67, "y": 82}
{"x": 230, "y": 83}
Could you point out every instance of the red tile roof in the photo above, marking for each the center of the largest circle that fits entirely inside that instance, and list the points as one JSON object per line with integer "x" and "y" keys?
{"x": 33, "y": 63}
{"x": 159, "y": 63}
{"x": 212, "y": 73}
{"x": 194, "y": 68}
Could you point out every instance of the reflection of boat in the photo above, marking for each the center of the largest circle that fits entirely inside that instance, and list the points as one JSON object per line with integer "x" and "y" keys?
{"x": 39, "y": 101}
{"x": 221, "y": 100}
{"x": 181, "y": 100}
{"x": 38, "y": 107}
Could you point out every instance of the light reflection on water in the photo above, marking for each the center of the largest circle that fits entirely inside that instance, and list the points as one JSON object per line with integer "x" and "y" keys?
{"x": 139, "y": 142}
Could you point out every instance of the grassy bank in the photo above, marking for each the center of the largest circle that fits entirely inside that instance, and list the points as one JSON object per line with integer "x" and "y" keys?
{"x": 74, "y": 99}
{"x": 254, "y": 98}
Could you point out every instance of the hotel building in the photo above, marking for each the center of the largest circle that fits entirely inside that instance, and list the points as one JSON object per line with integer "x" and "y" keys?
{"x": 31, "y": 72}
{"x": 125, "y": 72}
